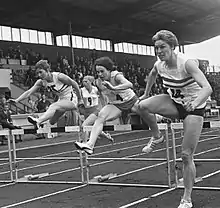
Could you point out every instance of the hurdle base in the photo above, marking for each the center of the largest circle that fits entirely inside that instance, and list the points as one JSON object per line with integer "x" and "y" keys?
{"x": 32, "y": 177}
{"x": 100, "y": 178}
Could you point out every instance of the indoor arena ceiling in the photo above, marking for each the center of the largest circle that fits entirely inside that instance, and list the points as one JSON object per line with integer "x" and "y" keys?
{"x": 132, "y": 21}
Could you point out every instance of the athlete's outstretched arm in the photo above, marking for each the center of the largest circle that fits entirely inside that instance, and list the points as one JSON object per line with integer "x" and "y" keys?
{"x": 123, "y": 83}
{"x": 68, "y": 81}
{"x": 27, "y": 93}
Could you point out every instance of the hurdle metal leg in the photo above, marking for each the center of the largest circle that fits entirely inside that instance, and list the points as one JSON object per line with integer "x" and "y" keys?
{"x": 86, "y": 159}
{"x": 174, "y": 157}
{"x": 14, "y": 155}
{"x": 168, "y": 158}
{"x": 81, "y": 160}
{"x": 10, "y": 158}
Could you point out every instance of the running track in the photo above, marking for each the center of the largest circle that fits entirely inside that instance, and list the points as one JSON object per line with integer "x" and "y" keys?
{"x": 128, "y": 144}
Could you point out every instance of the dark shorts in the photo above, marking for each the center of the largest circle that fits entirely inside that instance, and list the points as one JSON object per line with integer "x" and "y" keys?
{"x": 124, "y": 106}
{"x": 183, "y": 113}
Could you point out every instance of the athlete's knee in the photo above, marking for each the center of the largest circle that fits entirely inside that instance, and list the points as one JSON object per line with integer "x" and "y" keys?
{"x": 186, "y": 157}
{"x": 101, "y": 117}
{"x": 144, "y": 106}
{"x": 52, "y": 122}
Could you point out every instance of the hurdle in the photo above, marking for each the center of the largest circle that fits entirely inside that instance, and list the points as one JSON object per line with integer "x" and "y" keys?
{"x": 13, "y": 159}
{"x": 128, "y": 127}
{"x": 179, "y": 126}
{"x": 7, "y": 133}
{"x": 83, "y": 157}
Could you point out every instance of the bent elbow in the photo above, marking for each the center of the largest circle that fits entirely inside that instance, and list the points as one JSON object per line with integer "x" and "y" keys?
{"x": 210, "y": 90}
{"x": 131, "y": 85}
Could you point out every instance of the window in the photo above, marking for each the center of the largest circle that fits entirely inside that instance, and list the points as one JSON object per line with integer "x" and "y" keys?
{"x": 85, "y": 42}
{"x": 25, "y": 37}
{"x": 16, "y": 34}
{"x": 0, "y": 32}
{"x": 74, "y": 41}
{"x": 78, "y": 41}
{"x": 65, "y": 40}
{"x": 49, "y": 38}
{"x": 42, "y": 38}
{"x": 140, "y": 51}
{"x": 125, "y": 46}
{"x": 120, "y": 47}
{"x": 97, "y": 44}
{"x": 59, "y": 41}
{"x": 103, "y": 45}
{"x": 33, "y": 36}
{"x": 6, "y": 33}
{"x": 130, "y": 48}
{"x": 135, "y": 49}
{"x": 91, "y": 43}
{"x": 144, "y": 49}
{"x": 108, "y": 45}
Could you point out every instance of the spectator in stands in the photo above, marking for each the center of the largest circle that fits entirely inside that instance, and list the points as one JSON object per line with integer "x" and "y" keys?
{"x": 61, "y": 85}
{"x": 92, "y": 105}
{"x": 31, "y": 105}
{"x": 6, "y": 121}
{"x": 119, "y": 85}
{"x": 187, "y": 92}
{"x": 93, "y": 55}
{"x": 43, "y": 104}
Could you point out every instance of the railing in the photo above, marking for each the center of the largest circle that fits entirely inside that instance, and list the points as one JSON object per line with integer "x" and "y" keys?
{"x": 21, "y": 110}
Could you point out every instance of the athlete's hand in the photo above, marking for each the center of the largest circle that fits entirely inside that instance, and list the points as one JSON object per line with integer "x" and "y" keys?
{"x": 189, "y": 106}
{"x": 80, "y": 103}
{"x": 108, "y": 85}
{"x": 81, "y": 106}
{"x": 143, "y": 97}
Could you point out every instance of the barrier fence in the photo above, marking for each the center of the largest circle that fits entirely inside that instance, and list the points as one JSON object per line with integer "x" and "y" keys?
{"x": 84, "y": 158}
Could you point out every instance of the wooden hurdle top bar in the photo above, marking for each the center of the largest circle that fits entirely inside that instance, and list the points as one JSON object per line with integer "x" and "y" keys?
{"x": 206, "y": 124}
{"x": 126, "y": 127}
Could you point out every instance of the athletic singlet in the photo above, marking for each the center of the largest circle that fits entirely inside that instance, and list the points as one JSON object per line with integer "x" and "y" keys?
{"x": 90, "y": 99}
{"x": 181, "y": 86}
{"x": 123, "y": 95}
{"x": 58, "y": 88}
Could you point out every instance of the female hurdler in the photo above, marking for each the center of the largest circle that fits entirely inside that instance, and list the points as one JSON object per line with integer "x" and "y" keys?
{"x": 60, "y": 84}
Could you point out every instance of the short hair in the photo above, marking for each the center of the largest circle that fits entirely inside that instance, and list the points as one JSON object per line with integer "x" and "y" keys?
{"x": 166, "y": 36}
{"x": 42, "y": 64}
{"x": 90, "y": 78}
{"x": 105, "y": 62}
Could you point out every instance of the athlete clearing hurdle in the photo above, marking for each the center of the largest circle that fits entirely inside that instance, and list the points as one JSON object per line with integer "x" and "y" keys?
{"x": 120, "y": 86}
{"x": 187, "y": 92}
{"x": 61, "y": 85}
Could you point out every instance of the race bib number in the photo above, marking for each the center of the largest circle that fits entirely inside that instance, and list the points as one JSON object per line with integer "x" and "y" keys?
{"x": 176, "y": 93}
{"x": 89, "y": 101}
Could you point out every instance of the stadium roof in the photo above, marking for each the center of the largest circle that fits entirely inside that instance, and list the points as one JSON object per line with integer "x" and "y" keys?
{"x": 132, "y": 21}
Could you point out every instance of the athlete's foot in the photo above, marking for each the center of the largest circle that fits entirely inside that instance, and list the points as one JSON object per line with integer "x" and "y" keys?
{"x": 85, "y": 147}
{"x": 185, "y": 204}
{"x": 34, "y": 121}
{"x": 152, "y": 144}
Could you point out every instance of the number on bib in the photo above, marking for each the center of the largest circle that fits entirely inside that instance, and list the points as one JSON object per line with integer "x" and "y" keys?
{"x": 90, "y": 100}
{"x": 177, "y": 93}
